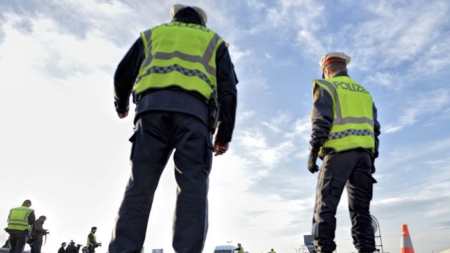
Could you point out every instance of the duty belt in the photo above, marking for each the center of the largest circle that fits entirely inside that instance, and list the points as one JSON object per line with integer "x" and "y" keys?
{"x": 138, "y": 97}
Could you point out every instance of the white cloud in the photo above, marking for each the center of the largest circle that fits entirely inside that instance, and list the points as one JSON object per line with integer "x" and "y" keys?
{"x": 245, "y": 115}
{"x": 386, "y": 79}
{"x": 425, "y": 104}
{"x": 278, "y": 122}
{"x": 271, "y": 148}
{"x": 237, "y": 55}
{"x": 296, "y": 22}
{"x": 435, "y": 58}
{"x": 399, "y": 33}
{"x": 302, "y": 128}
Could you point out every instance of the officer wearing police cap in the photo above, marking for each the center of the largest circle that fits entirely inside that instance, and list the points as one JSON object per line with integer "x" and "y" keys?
{"x": 183, "y": 83}
{"x": 345, "y": 134}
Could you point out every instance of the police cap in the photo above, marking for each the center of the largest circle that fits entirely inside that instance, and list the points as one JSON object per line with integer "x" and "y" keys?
{"x": 177, "y": 7}
{"x": 334, "y": 57}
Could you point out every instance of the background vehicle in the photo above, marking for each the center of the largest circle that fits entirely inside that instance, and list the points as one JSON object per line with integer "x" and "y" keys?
{"x": 225, "y": 249}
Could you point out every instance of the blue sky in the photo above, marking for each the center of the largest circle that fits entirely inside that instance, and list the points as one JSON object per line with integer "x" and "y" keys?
{"x": 63, "y": 146}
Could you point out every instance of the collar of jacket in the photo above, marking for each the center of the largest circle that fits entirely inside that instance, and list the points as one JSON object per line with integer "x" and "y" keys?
{"x": 342, "y": 73}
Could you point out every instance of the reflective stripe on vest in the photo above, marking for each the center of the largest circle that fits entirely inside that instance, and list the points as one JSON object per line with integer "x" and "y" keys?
{"x": 18, "y": 218}
{"x": 352, "y": 126}
{"x": 179, "y": 54}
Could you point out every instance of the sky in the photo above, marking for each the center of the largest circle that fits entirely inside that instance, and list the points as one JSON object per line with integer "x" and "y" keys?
{"x": 63, "y": 147}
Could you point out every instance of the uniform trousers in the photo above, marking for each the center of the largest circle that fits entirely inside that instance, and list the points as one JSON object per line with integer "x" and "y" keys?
{"x": 350, "y": 169}
{"x": 157, "y": 135}
{"x": 17, "y": 240}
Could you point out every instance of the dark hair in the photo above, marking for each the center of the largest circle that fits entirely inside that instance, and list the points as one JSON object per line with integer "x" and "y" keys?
{"x": 93, "y": 228}
{"x": 43, "y": 217}
{"x": 27, "y": 202}
{"x": 336, "y": 66}
{"x": 63, "y": 243}
{"x": 188, "y": 15}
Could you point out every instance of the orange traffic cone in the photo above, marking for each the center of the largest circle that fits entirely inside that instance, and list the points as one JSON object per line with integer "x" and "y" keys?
{"x": 405, "y": 243}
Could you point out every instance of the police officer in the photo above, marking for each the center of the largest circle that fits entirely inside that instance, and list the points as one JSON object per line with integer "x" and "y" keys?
{"x": 345, "y": 134}
{"x": 19, "y": 221}
{"x": 181, "y": 74}
{"x": 92, "y": 240}
{"x": 239, "y": 248}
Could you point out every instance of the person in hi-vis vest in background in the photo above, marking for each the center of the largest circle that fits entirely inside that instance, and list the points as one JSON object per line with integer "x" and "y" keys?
{"x": 19, "y": 221}
{"x": 92, "y": 242}
{"x": 184, "y": 85}
{"x": 239, "y": 249}
{"x": 344, "y": 135}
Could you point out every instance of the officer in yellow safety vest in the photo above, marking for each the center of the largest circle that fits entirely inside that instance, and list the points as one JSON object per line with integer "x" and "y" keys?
{"x": 19, "y": 221}
{"x": 92, "y": 242}
{"x": 344, "y": 135}
{"x": 239, "y": 249}
{"x": 183, "y": 83}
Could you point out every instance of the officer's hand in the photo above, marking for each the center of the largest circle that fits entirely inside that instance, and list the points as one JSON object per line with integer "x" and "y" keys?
{"x": 122, "y": 115}
{"x": 220, "y": 147}
{"x": 312, "y": 167}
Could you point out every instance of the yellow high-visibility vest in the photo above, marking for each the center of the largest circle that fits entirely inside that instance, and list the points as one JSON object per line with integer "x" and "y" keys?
{"x": 179, "y": 55}
{"x": 18, "y": 218}
{"x": 353, "y": 125}
{"x": 89, "y": 243}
